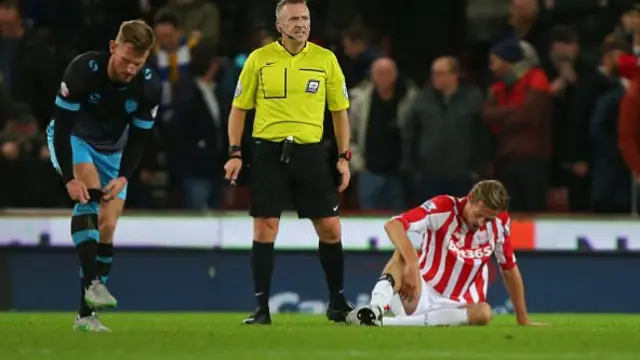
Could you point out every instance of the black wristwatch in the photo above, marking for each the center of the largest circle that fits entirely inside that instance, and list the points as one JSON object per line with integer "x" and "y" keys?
{"x": 233, "y": 150}
{"x": 345, "y": 155}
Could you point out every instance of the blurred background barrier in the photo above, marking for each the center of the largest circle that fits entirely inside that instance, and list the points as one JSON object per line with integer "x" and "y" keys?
{"x": 233, "y": 230}
{"x": 199, "y": 280}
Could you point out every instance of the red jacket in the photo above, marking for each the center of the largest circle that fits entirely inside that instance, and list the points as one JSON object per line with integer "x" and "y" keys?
{"x": 520, "y": 116}
{"x": 629, "y": 126}
{"x": 628, "y": 66}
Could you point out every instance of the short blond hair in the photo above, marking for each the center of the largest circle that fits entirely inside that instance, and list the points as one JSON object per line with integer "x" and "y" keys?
{"x": 492, "y": 194}
{"x": 138, "y": 34}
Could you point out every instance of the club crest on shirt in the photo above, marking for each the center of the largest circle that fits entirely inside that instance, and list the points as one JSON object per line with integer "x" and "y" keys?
{"x": 480, "y": 238}
{"x": 313, "y": 86}
{"x": 130, "y": 106}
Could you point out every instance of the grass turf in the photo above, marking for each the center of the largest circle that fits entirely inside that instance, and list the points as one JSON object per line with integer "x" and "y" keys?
{"x": 215, "y": 336}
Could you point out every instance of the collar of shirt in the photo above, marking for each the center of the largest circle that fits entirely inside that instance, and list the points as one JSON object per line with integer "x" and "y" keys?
{"x": 460, "y": 203}
{"x": 279, "y": 46}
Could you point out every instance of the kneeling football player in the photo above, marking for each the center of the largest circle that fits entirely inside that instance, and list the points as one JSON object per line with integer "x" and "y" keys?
{"x": 444, "y": 283}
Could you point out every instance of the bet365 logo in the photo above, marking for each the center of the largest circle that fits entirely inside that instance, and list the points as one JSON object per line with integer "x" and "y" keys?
{"x": 480, "y": 253}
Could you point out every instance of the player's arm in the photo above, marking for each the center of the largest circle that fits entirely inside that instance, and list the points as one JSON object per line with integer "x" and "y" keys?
{"x": 428, "y": 216}
{"x": 243, "y": 100}
{"x": 141, "y": 127}
{"x": 510, "y": 273}
{"x": 338, "y": 103}
{"x": 68, "y": 102}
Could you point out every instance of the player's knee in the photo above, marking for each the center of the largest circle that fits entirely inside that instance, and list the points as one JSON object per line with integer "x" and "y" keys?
{"x": 107, "y": 226}
{"x": 265, "y": 229}
{"x": 328, "y": 229}
{"x": 479, "y": 314}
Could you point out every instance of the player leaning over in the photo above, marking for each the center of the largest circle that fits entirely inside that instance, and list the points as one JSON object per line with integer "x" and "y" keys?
{"x": 445, "y": 282}
{"x": 105, "y": 110}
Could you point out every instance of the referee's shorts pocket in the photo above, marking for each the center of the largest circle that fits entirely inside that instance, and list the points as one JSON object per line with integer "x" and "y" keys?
{"x": 268, "y": 183}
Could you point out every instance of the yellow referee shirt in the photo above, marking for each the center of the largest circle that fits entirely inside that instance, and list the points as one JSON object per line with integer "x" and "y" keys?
{"x": 289, "y": 92}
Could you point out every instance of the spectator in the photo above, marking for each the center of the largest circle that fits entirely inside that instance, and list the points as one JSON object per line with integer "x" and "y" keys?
{"x": 359, "y": 55}
{"x": 610, "y": 190}
{"x": 199, "y": 129}
{"x": 588, "y": 89}
{"x": 629, "y": 128}
{"x": 628, "y": 31}
{"x": 564, "y": 68}
{"x": 172, "y": 55}
{"x": 379, "y": 109}
{"x": 5, "y": 105}
{"x": 257, "y": 38}
{"x": 201, "y": 17}
{"x": 519, "y": 110}
{"x": 444, "y": 136}
{"x": 528, "y": 22}
{"x": 25, "y": 64}
{"x": 33, "y": 182}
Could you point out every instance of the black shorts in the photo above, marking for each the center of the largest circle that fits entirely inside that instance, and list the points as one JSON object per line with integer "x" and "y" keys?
{"x": 306, "y": 181}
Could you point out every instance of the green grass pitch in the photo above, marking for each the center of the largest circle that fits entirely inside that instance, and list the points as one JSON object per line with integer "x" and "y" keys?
{"x": 215, "y": 336}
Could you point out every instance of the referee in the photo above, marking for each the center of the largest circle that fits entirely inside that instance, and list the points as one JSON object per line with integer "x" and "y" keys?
{"x": 289, "y": 82}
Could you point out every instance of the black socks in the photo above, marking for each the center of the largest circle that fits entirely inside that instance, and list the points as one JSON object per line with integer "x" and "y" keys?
{"x": 262, "y": 255}
{"x": 332, "y": 260}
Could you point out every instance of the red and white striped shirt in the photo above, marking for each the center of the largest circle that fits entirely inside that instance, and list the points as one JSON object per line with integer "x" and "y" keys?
{"x": 453, "y": 258}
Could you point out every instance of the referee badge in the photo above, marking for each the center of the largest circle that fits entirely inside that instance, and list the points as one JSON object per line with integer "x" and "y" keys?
{"x": 345, "y": 91}
{"x": 238, "y": 90}
{"x": 313, "y": 86}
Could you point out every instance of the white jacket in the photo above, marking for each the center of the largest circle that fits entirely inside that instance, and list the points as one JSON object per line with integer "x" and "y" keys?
{"x": 361, "y": 96}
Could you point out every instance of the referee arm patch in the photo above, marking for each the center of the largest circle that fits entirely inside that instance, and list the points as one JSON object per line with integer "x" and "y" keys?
{"x": 337, "y": 94}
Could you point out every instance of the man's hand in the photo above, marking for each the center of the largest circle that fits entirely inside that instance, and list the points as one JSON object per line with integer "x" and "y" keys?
{"x": 232, "y": 170}
{"x": 345, "y": 173}
{"x": 558, "y": 86}
{"x": 568, "y": 73}
{"x": 114, "y": 187}
{"x": 527, "y": 322}
{"x": 78, "y": 191}
{"x": 410, "y": 280}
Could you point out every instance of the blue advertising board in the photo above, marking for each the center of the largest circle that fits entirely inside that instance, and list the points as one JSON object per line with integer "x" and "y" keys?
{"x": 174, "y": 280}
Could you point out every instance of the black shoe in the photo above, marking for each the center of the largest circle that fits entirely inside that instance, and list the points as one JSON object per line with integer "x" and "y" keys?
{"x": 260, "y": 317}
{"x": 339, "y": 313}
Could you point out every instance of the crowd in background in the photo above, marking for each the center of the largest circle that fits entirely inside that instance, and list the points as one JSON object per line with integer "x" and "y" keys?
{"x": 540, "y": 100}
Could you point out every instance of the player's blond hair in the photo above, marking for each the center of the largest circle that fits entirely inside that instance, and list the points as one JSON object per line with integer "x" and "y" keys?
{"x": 492, "y": 194}
{"x": 138, "y": 34}
{"x": 282, "y": 3}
